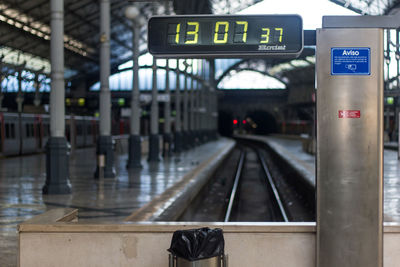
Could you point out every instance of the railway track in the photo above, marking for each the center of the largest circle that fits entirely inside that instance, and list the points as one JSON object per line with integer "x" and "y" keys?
{"x": 254, "y": 194}
{"x": 250, "y": 187}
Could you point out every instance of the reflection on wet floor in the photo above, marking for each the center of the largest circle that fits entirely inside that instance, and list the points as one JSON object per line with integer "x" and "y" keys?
{"x": 108, "y": 200}
{"x": 391, "y": 185}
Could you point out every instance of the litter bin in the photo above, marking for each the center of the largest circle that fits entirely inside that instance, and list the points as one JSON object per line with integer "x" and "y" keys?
{"x": 202, "y": 247}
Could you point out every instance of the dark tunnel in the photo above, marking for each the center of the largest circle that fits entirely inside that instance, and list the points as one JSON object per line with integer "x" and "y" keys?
{"x": 255, "y": 122}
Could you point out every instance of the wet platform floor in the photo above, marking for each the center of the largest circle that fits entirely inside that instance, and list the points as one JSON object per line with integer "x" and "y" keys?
{"x": 108, "y": 200}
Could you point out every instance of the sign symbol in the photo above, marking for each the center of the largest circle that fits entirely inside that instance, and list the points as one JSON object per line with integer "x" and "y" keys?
{"x": 352, "y": 114}
{"x": 352, "y": 67}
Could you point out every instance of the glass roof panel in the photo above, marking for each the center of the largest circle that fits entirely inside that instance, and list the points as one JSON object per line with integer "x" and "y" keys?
{"x": 17, "y": 58}
{"x": 250, "y": 80}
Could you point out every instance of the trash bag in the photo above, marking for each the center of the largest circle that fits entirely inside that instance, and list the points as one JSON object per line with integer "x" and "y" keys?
{"x": 197, "y": 244}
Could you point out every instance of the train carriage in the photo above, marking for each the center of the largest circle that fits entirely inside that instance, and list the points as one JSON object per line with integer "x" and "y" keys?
{"x": 28, "y": 133}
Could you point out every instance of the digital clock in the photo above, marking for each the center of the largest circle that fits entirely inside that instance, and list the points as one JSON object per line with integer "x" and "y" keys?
{"x": 225, "y": 36}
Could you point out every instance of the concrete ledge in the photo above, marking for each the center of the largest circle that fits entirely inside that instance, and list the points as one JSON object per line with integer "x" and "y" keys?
{"x": 172, "y": 203}
{"x": 49, "y": 241}
{"x": 54, "y": 215}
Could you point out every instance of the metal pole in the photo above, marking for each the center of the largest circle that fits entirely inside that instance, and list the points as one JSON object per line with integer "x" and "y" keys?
{"x": 398, "y": 139}
{"x": 215, "y": 113}
{"x": 211, "y": 98}
{"x": 203, "y": 103}
{"x": 104, "y": 142}
{"x": 398, "y": 57}
{"x": 178, "y": 120}
{"x": 154, "y": 139}
{"x": 20, "y": 96}
{"x": 2, "y": 77}
{"x": 350, "y": 166}
{"x": 196, "y": 106}
{"x": 192, "y": 108}
{"x": 57, "y": 181}
{"x": 214, "y": 101}
{"x": 135, "y": 147}
{"x": 36, "y": 83}
{"x": 167, "y": 115}
{"x": 185, "y": 111}
{"x": 398, "y": 80}
{"x": 207, "y": 104}
{"x": 20, "y": 100}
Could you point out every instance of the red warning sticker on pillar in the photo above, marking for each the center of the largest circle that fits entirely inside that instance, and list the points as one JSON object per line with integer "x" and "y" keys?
{"x": 349, "y": 114}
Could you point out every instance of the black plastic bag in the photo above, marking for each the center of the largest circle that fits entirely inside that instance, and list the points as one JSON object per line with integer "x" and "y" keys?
{"x": 197, "y": 244}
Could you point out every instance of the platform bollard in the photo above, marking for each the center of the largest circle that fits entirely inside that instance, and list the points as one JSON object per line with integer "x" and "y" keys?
{"x": 101, "y": 160}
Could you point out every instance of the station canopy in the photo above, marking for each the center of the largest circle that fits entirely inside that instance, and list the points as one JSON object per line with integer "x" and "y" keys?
{"x": 25, "y": 34}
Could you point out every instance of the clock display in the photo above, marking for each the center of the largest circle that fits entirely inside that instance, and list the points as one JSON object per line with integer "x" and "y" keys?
{"x": 230, "y": 35}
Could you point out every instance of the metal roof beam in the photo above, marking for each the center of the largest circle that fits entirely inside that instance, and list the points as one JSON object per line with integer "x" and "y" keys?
{"x": 92, "y": 25}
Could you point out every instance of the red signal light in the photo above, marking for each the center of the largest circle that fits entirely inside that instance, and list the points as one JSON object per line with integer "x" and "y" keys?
{"x": 244, "y": 121}
{"x": 235, "y": 121}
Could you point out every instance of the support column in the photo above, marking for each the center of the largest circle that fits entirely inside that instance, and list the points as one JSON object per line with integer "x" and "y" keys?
{"x": 20, "y": 96}
{"x": 398, "y": 84}
{"x": 104, "y": 142}
{"x": 215, "y": 114}
{"x": 135, "y": 146}
{"x": 57, "y": 156}
{"x": 192, "y": 130}
{"x": 186, "y": 144}
{"x": 37, "y": 101}
{"x": 2, "y": 77}
{"x": 349, "y": 166}
{"x": 196, "y": 108}
{"x": 154, "y": 139}
{"x": 398, "y": 137}
{"x": 211, "y": 99}
{"x": 178, "y": 120}
{"x": 203, "y": 107}
{"x": 167, "y": 144}
{"x": 214, "y": 102}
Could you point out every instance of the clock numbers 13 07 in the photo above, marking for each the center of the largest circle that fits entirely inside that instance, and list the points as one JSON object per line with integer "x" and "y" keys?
{"x": 221, "y": 32}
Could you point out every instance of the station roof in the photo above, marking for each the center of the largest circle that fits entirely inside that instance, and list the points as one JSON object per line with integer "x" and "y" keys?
{"x": 25, "y": 29}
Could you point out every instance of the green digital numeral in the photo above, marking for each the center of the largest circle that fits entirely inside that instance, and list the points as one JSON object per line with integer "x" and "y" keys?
{"x": 178, "y": 29}
{"x": 245, "y": 26}
{"x": 280, "y": 30}
{"x": 265, "y": 36}
{"x": 225, "y": 24}
{"x": 194, "y": 33}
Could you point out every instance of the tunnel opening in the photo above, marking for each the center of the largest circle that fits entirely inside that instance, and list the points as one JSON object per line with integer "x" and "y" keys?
{"x": 225, "y": 123}
{"x": 260, "y": 122}
{"x": 255, "y": 122}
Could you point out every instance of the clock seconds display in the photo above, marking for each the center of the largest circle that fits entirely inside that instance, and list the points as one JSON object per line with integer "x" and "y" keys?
{"x": 244, "y": 35}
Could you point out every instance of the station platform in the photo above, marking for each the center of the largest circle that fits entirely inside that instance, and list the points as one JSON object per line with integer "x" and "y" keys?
{"x": 98, "y": 235}
{"x": 291, "y": 150}
{"x": 105, "y": 200}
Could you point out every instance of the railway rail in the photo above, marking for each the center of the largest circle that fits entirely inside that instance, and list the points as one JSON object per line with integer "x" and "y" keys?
{"x": 250, "y": 186}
